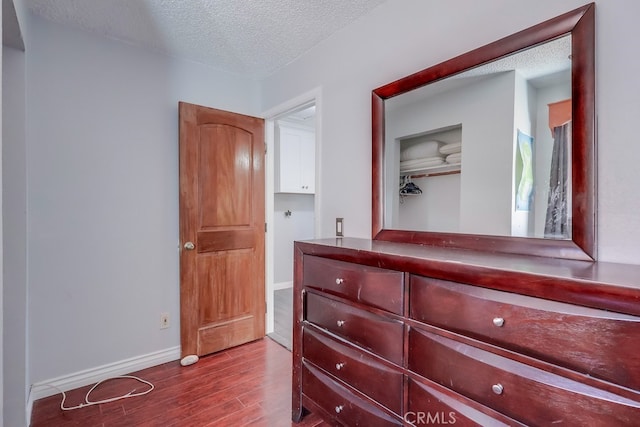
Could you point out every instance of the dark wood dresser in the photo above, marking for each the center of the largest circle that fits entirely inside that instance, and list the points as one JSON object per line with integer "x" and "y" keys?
{"x": 401, "y": 334}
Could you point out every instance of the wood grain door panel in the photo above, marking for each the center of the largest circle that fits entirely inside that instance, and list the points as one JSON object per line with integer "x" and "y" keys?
{"x": 225, "y": 163}
{"x": 222, "y": 301}
{"x": 226, "y": 240}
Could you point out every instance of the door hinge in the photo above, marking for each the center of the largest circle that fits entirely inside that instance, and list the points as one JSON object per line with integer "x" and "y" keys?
{"x": 265, "y": 227}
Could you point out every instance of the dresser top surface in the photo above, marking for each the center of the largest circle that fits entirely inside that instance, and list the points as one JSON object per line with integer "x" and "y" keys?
{"x": 599, "y": 284}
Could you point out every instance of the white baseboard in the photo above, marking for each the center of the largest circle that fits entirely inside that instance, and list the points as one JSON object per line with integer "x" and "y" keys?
{"x": 91, "y": 376}
{"x": 282, "y": 285}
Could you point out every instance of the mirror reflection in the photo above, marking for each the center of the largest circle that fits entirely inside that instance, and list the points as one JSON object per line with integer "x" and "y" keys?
{"x": 487, "y": 151}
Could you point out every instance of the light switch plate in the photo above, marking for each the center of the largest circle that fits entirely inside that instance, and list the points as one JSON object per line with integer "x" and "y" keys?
{"x": 339, "y": 230}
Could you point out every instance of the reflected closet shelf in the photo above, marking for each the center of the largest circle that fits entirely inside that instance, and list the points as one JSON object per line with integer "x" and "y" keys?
{"x": 444, "y": 169}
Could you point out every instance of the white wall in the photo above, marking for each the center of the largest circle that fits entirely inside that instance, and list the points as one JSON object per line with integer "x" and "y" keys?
{"x": 102, "y": 150}
{"x": 15, "y": 376}
{"x": 403, "y": 36}
{"x": 287, "y": 229}
{"x": 14, "y": 236}
{"x": 618, "y": 110}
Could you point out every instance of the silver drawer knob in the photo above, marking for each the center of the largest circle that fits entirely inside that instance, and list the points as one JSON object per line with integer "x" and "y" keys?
{"x": 339, "y": 281}
{"x": 339, "y": 409}
{"x": 340, "y": 323}
{"x": 339, "y": 366}
{"x": 498, "y": 321}
{"x": 497, "y": 388}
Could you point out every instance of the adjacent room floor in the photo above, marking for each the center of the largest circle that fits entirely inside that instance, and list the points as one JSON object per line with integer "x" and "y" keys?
{"x": 283, "y": 317}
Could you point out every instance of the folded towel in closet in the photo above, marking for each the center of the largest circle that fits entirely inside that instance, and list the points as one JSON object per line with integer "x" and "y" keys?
{"x": 421, "y": 163}
{"x": 420, "y": 150}
{"x": 450, "y": 148}
{"x": 454, "y": 158}
{"x": 436, "y": 160}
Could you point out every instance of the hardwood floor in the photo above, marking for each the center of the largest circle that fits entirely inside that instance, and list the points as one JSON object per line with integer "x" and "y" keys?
{"x": 248, "y": 385}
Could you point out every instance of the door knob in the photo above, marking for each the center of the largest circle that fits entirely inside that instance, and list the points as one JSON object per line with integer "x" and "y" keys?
{"x": 189, "y": 246}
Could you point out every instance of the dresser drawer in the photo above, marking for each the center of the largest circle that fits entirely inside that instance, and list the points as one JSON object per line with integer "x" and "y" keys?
{"x": 595, "y": 342}
{"x": 373, "y": 378}
{"x": 428, "y": 406}
{"x": 378, "y": 334}
{"x": 368, "y": 285}
{"x": 525, "y": 393}
{"x": 343, "y": 404}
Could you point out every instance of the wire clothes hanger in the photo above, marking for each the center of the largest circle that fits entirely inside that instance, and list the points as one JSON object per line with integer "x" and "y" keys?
{"x": 408, "y": 187}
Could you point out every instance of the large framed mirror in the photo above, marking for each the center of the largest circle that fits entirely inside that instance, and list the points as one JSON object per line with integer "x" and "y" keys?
{"x": 494, "y": 149}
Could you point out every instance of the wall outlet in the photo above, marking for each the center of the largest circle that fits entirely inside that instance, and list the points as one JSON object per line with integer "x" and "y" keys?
{"x": 164, "y": 320}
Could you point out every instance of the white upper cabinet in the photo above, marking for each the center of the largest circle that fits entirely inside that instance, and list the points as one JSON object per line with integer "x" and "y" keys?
{"x": 295, "y": 162}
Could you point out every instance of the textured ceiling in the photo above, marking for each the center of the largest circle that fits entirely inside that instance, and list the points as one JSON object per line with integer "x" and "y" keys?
{"x": 248, "y": 37}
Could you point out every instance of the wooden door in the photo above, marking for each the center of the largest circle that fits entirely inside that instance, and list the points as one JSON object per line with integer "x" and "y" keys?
{"x": 222, "y": 226}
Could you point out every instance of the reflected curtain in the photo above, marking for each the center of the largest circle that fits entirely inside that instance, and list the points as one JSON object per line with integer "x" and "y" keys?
{"x": 556, "y": 224}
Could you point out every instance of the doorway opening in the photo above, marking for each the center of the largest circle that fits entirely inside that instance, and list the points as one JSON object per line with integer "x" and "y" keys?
{"x": 291, "y": 203}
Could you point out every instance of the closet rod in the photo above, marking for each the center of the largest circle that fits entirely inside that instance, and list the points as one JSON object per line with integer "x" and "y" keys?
{"x": 426, "y": 175}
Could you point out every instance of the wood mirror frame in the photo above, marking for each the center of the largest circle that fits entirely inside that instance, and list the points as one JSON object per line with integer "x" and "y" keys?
{"x": 580, "y": 24}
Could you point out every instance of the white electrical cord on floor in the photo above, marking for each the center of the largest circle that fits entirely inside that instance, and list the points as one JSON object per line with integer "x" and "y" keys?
{"x": 88, "y": 402}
